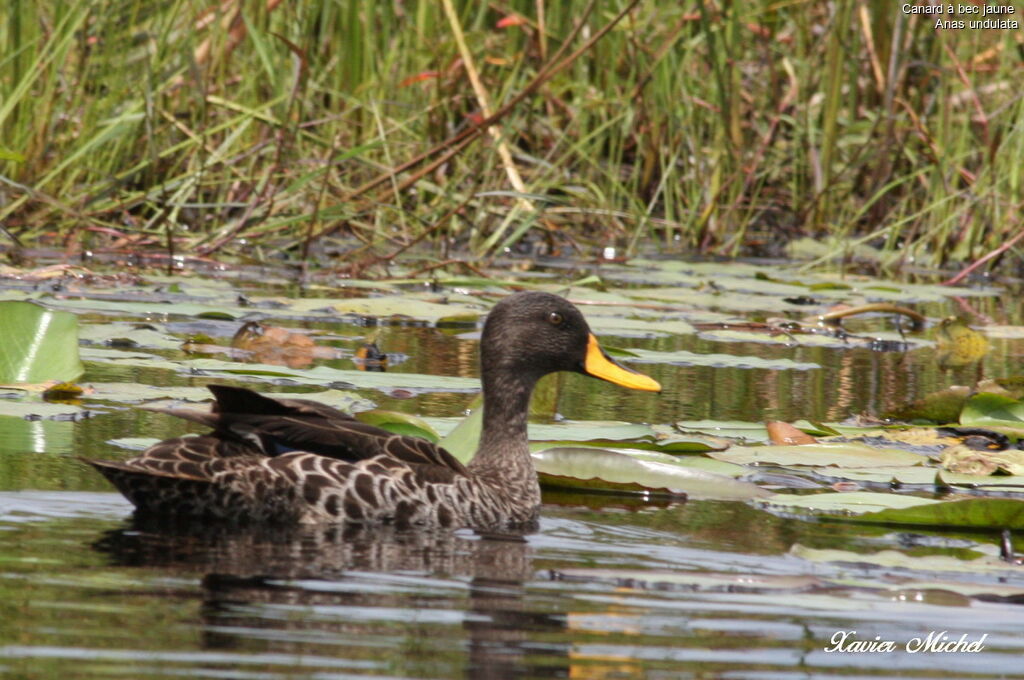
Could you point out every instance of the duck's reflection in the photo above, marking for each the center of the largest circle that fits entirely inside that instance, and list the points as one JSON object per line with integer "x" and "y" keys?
{"x": 376, "y": 596}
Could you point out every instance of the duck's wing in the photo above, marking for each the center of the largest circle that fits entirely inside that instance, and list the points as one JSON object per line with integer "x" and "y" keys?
{"x": 247, "y": 421}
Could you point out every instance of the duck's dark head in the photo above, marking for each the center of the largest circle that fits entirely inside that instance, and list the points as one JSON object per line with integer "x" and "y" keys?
{"x": 528, "y": 335}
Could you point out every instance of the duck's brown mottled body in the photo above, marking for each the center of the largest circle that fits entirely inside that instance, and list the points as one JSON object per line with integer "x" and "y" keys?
{"x": 295, "y": 460}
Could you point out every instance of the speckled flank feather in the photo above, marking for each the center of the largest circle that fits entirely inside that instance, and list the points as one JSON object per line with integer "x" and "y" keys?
{"x": 294, "y": 460}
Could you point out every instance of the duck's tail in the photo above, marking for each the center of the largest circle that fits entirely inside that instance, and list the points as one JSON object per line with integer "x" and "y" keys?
{"x": 155, "y": 491}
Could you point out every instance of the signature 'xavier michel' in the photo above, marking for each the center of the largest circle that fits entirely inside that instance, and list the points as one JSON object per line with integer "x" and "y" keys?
{"x": 294, "y": 460}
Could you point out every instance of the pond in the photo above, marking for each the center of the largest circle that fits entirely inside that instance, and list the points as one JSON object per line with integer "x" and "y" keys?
{"x": 610, "y": 585}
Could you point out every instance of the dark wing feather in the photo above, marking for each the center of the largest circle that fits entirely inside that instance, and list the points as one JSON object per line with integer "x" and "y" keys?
{"x": 281, "y": 426}
{"x": 247, "y": 422}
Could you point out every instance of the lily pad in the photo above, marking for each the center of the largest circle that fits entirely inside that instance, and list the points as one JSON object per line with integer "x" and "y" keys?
{"x": 463, "y": 440}
{"x": 134, "y": 393}
{"x": 732, "y": 429}
{"x": 684, "y": 358}
{"x": 151, "y": 310}
{"x": 37, "y": 344}
{"x": 994, "y": 411}
{"x": 390, "y": 306}
{"x": 398, "y": 423}
{"x": 846, "y": 454}
{"x": 35, "y": 410}
{"x": 598, "y": 469}
{"x": 1007, "y": 483}
{"x": 325, "y": 375}
{"x": 694, "y": 580}
{"x": 915, "y": 475}
{"x": 845, "y": 504}
{"x": 916, "y": 563}
{"x": 133, "y": 443}
{"x": 127, "y": 335}
{"x": 987, "y": 513}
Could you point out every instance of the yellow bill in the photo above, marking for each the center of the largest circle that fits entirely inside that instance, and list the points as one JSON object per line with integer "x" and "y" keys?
{"x": 600, "y": 365}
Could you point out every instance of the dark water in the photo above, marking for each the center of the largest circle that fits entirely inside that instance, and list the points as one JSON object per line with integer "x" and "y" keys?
{"x": 607, "y": 587}
{"x": 87, "y": 595}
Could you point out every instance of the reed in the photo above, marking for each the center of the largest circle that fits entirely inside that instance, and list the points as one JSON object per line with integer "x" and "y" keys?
{"x": 700, "y": 127}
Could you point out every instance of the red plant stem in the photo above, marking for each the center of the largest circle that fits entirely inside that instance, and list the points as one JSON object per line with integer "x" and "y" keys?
{"x": 985, "y": 258}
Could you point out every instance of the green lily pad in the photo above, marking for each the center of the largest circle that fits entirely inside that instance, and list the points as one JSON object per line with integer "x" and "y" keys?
{"x": 845, "y": 454}
{"x": 987, "y": 513}
{"x": 37, "y": 344}
{"x": 398, "y": 423}
{"x": 463, "y": 440}
{"x": 603, "y": 470}
{"x": 845, "y": 504}
{"x": 994, "y": 411}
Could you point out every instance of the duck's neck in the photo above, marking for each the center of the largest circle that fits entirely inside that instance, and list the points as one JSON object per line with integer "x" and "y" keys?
{"x": 504, "y": 448}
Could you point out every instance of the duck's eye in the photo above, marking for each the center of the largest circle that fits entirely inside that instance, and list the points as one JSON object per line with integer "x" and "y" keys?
{"x": 555, "y": 318}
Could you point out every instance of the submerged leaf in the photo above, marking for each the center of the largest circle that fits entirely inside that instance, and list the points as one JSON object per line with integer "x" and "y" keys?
{"x": 943, "y": 406}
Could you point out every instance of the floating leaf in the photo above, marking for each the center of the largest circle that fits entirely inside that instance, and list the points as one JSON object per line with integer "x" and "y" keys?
{"x": 733, "y": 429}
{"x": 846, "y": 454}
{"x": 325, "y": 375}
{"x": 389, "y": 307}
{"x": 993, "y": 411}
{"x": 37, "y": 344}
{"x": 124, "y": 335}
{"x": 599, "y": 469}
{"x": 398, "y": 423}
{"x": 1009, "y": 483}
{"x": 35, "y": 410}
{"x": 693, "y": 580}
{"x": 843, "y": 504}
{"x": 896, "y": 559}
{"x": 982, "y": 462}
{"x": 917, "y": 475}
{"x": 988, "y": 513}
{"x": 464, "y": 438}
{"x": 133, "y": 443}
{"x": 684, "y": 358}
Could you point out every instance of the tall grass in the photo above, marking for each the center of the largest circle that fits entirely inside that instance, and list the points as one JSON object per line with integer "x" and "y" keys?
{"x": 713, "y": 126}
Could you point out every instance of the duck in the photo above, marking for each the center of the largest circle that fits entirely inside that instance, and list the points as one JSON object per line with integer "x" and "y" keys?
{"x": 297, "y": 461}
